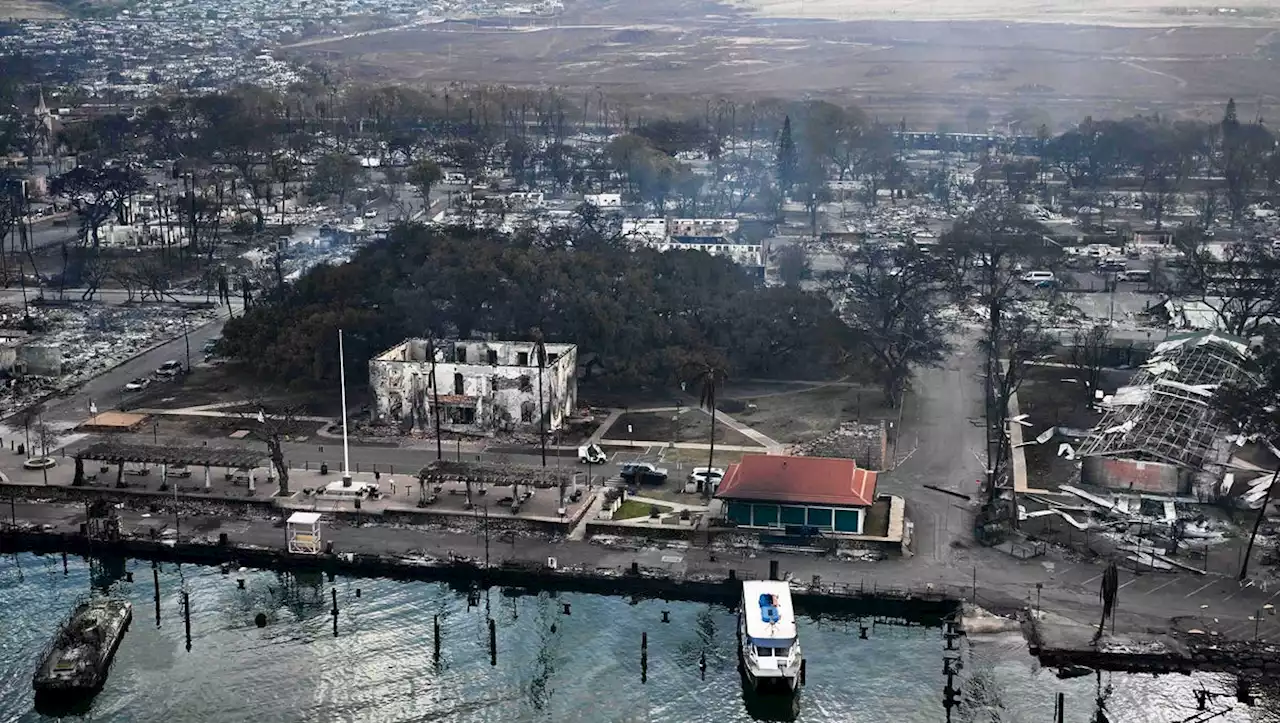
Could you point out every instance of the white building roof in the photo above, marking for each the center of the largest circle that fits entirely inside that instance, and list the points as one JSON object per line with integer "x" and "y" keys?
{"x": 785, "y": 626}
{"x": 304, "y": 518}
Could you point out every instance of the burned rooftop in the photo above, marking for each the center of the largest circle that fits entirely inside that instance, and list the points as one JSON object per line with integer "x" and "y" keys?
{"x": 1166, "y": 415}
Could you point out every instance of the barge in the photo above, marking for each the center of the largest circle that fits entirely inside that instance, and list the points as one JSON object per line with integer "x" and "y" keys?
{"x": 75, "y": 662}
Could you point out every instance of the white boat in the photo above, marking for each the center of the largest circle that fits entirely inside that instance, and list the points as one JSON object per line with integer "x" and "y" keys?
{"x": 770, "y": 648}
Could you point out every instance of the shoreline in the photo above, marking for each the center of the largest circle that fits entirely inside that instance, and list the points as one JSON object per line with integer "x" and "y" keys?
{"x": 646, "y": 572}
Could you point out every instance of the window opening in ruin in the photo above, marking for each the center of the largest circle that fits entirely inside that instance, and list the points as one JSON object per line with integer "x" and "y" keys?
{"x": 493, "y": 357}
{"x": 522, "y": 359}
{"x": 457, "y": 383}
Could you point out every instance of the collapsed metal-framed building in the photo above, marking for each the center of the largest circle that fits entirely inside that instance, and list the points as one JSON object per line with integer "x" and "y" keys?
{"x": 1161, "y": 433}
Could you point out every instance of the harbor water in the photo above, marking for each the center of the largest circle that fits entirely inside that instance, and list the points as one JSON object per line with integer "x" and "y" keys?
{"x": 556, "y": 657}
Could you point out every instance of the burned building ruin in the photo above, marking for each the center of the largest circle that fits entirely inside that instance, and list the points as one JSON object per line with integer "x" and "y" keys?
{"x": 482, "y": 386}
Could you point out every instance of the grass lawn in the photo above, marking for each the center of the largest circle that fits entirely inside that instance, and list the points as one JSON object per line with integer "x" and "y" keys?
{"x": 630, "y": 509}
{"x": 688, "y": 425}
{"x": 690, "y": 458}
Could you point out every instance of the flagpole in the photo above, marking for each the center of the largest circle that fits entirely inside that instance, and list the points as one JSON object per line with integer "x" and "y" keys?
{"x": 342, "y": 372}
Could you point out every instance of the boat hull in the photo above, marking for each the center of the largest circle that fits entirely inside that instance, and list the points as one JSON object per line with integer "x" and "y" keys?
{"x": 54, "y": 684}
{"x": 770, "y": 683}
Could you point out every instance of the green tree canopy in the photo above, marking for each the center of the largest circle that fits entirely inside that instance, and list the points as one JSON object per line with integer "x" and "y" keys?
{"x": 647, "y": 314}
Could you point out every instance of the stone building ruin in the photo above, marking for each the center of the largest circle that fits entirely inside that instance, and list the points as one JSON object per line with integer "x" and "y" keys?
{"x": 482, "y": 386}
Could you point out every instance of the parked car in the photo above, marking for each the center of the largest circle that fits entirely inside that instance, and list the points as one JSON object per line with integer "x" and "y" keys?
{"x": 137, "y": 385}
{"x": 702, "y": 476}
{"x": 170, "y": 368}
{"x": 592, "y": 454}
{"x": 1039, "y": 278}
{"x": 1137, "y": 276}
{"x": 1112, "y": 266}
{"x": 641, "y": 473}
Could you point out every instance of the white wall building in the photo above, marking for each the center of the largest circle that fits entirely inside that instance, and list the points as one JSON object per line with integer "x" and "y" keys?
{"x": 743, "y": 254}
{"x": 702, "y": 227}
{"x": 604, "y": 200}
{"x": 481, "y": 385}
{"x": 645, "y": 230}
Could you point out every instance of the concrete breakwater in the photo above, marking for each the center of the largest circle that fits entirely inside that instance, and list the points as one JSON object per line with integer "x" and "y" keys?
{"x": 636, "y": 568}
{"x": 1074, "y": 646}
{"x": 922, "y": 607}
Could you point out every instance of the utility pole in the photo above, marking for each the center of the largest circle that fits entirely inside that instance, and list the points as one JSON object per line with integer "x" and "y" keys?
{"x": 486, "y": 536}
{"x": 541, "y": 351}
{"x": 186, "y": 340}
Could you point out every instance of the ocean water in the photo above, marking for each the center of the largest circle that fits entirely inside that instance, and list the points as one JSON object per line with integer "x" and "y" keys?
{"x": 550, "y": 666}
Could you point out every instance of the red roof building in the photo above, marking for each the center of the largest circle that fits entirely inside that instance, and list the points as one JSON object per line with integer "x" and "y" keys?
{"x": 776, "y": 491}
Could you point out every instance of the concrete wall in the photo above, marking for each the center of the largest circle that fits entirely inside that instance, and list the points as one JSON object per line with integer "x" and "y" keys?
{"x": 1128, "y": 474}
{"x": 503, "y": 394}
{"x": 41, "y": 359}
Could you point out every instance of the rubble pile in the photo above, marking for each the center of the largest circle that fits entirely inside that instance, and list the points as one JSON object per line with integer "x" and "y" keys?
{"x": 90, "y": 338}
{"x": 863, "y": 443}
{"x": 898, "y": 221}
{"x": 1150, "y": 532}
{"x": 96, "y": 338}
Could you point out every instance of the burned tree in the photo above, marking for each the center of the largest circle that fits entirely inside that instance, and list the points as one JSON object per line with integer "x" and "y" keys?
{"x": 1239, "y": 282}
{"x": 96, "y": 192}
{"x": 1252, "y": 405}
{"x": 1010, "y": 350}
{"x": 894, "y": 301}
{"x": 274, "y": 423}
{"x": 989, "y": 251}
{"x": 1088, "y": 355}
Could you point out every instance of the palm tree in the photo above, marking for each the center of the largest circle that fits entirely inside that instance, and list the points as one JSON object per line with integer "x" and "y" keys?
{"x": 710, "y": 376}
{"x": 1249, "y": 406}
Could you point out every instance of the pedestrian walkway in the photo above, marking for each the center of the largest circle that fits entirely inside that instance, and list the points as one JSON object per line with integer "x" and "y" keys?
{"x": 579, "y": 531}
{"x": 597, "y": 435}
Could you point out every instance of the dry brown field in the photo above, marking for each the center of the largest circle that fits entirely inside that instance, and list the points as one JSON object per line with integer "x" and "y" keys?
{"x": 928, "y": 70}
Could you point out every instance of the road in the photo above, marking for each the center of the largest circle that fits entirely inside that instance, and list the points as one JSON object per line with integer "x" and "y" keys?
{"x": 107, "y": 389}
{"x": 107, "y": 296}
{"x": 939, "y": 444}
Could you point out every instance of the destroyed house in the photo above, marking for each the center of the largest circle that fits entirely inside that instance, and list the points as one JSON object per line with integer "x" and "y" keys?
{"x": 1161, "y": 434}
{"x": 480, "y": 385}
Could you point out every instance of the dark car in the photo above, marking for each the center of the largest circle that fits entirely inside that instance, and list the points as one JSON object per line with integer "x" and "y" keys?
{"x": 642, "y": 473}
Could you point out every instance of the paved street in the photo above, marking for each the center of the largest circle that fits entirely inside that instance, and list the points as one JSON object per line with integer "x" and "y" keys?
{"x": 939, "y": 444}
